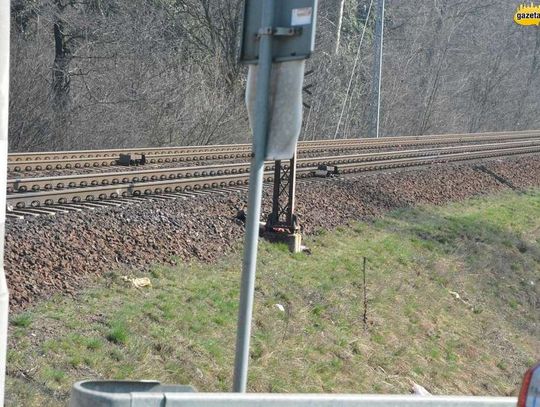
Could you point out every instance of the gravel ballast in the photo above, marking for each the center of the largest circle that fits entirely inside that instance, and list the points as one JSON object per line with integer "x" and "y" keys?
{"x": 58, "y": 254}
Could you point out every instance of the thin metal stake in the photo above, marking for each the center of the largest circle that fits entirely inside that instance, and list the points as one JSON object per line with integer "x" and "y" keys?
{"x": 365, "y": 293}
{"x": 260, "y": 133}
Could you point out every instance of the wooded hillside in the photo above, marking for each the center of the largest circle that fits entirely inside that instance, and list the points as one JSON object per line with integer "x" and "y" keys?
{"x": 116, "y": 73}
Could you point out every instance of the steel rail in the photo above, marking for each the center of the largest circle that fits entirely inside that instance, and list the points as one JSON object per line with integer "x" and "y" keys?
{"x": 75, "y": 195}
{"x": 113, "y": 153}
{"x": 236, "y": 152}
{"x": 164, "y": 151}
{"x": 21, "y": 185}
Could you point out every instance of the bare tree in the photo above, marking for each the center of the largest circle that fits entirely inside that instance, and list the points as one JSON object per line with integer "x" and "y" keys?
{"x": 96, "y": 74}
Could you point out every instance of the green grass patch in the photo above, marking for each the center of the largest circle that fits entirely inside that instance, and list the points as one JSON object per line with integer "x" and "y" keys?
{"x": 118, "y": 333}
{"x": 452, "y": 304}
{"x": 22, "y": 320}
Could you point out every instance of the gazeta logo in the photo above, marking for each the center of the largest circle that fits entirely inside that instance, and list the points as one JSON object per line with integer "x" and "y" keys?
{"x": 527, "y": 14}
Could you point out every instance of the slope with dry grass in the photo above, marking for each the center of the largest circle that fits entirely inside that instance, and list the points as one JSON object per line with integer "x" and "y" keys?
{"x": 452, "y": 304}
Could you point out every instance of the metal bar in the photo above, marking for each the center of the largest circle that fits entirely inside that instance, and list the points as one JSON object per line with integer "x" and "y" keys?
{"x": 331, "y": 400}
{"x": 260, "y": 135}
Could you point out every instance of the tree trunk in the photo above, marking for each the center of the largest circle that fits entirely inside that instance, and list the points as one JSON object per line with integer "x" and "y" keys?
{"x": 60, "y": 85}
{"x": 61, "y": 79}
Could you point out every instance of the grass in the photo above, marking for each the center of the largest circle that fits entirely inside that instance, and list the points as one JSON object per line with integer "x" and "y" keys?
{"x": 22, "y": 320}
{"x": 118, "y": 333}
{"x": 452, "y": 305}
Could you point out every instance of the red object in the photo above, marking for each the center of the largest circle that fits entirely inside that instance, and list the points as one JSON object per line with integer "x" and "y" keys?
{"x": 522, "y": 400}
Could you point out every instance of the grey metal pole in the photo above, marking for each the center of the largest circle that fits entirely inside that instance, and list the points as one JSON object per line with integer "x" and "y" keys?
{"x": 375, "y": 115}
{"x": 256, "y": 177}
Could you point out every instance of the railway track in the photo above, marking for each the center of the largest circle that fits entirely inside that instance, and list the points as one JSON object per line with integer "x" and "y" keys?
{"x": 36, "y": 184}
{"x": 168, "y": 183}
{"x": 19, "y": 162}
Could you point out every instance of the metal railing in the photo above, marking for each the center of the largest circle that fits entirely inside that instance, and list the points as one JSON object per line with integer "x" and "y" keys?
{"x": 150, "y": 393}
{"x": 327, "y": 400}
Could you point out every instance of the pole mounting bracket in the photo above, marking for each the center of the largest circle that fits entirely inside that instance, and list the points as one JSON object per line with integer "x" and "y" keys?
{"x": 280, "y": 31}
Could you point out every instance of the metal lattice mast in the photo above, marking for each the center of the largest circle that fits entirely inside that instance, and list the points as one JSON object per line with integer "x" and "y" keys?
{"x": 282, "y": 216}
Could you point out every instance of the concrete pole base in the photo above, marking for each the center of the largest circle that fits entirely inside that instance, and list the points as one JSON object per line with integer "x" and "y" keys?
{"x": 293, "y": 240}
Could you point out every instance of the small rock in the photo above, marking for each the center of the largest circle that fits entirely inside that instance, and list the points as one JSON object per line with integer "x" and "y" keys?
{"x": 420, "y": 390}
{"x": 280, "y": 307}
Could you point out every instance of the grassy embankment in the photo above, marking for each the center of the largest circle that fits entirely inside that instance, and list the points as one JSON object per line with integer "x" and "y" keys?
{"x": 182, "y": 330}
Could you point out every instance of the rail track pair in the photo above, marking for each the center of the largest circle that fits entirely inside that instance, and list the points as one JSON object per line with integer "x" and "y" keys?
{"x": 36, "y": 192}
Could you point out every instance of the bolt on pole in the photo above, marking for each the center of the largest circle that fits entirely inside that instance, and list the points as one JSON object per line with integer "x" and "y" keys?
{"x": 256, "y": 177}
